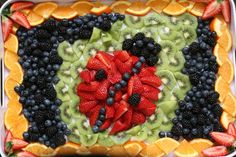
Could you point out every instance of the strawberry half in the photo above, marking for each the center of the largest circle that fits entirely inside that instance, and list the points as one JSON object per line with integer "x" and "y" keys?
{"x": 7, "y": 26}
{"x": 86, "y": 75}
{"x": 123, "y": 56}
{"x": 20, "y": 19}
{"x": 104, "y": 59}
{"x": 18, "y": 144}
{"x": 151, "y": 80}
{"x": 110, "y": 111}
{"x": 120, "y": 110}
{"x": 215, "y": 151}
{"x": 223, "y": 138}
{"x": 138, "y": 118}
{"x": 101, "y": 93}
{"x": 231, "y": 129}
{"x": 93, "y": 86}
{"x": 20, "y": 5}
{"x": 95, "y": 64}
{"x": 226, "y": 10}
{"x": 106, "y": 124}
{"x": 25, "y": 154}
{"x": 86, "y": 95}
{"x": 212, "y": 9}
{"x": 7, "y": 141}
{"x": 118, "y": 126}
{"x": 147, "y": 71}
{"x": 94, "y": 113}
{"x": 86, "y": 106}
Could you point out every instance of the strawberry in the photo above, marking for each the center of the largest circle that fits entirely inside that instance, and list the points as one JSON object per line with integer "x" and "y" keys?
{"x": 123, "y": 56}
{"x": 215, "y": 151}
{"x": 134, "y": 59}
{"x": 107, "y": 55}
{"x": 86, "y": 75}
{"x": 101, "y": 93}
{"x": 123, "y": 107}
{"x": 148, "y": 88}
{"x": 110, "y": 111}
{"x": 95, "y": 64}
{"x": 7, "y": 141}
{"x": 127, "y": 117}
{"x": 118, "y": 126}
{"x": 114, "y": 78}
{"x": 18, "y": 144}
{"x": 222, "y": 138}
{"x": 104, "y": 59}
{"x": 93, "y": 115}
{"x": 149, "y": 111}
{"x": 130, "y": 86}
{"x": 138, "y": 118}
{"x": 153, "y": 95}
{"x": 147, "y": 71}
{"x": 25, "y": 154}
{"x": 226, "y": 10}
{"x": 7, "y": 26}
{"x": 86, "y": 106}
{"x": 151, "y": 80}
{"x": 231, "y": 129}
{"x": 93, "y": 86}
{"x": 137, "y": 85}
{"x": 213, "y": 8}
{"x": 21, "y": 19}
{"x": 118, "y": 96}
{"x": 86, "y": 95}
{"x": 146, "y": 107}
{"x": 106, "y": 124}
{"x": 123, "y": 67}
{"x": 20, "y": 5}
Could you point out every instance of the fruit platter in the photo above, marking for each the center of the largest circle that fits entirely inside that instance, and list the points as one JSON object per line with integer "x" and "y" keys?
{"x": 118, "y": 78}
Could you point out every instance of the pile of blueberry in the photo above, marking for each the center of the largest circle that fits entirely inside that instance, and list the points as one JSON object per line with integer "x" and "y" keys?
{"x": 40, "y": 61}
{"x": 199, "y": 112}
{"x": 140, "y": 45}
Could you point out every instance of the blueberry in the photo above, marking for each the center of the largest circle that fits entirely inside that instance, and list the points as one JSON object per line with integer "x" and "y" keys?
{"x": 193, "y": 120}
{"x": 42, "y": 106}
{"x": 53, "y": 107}
{"x": 110, "y": 101}
{"x": 26, "y": 136}
{"x": 194, "y": 131}
{"x": 22, "y": 100}
{"x": 123, "y": 83}
{"x": 121, "y": 17}
{"x": 134, "y": 70}
{"x": 186, "y": 131}
{"x": 48, "y": 123}
{"x": 169, "y": 134}
{"x": 95, "y": 129}
{"x": 138, "y": 65}
{"x": 175, "y": 120}
{"x": 189, "y": 106}
{"x": 26, "y": 65}
{"x": 150, "y": 46}
{"x": 17, "y": 89}
{"x": 91, "y": 24}
{"x": 142, "y": 59}
{"x": 67, "y": 132}
{"x": 117, "y": 86}
{"x": 56, "y": 67}
{"x": 47, "y": 143}
{"x": 139, "y": 43}
{"x": 126, "y": 76}
{"x": 47, "y": 102}
{"x": 102, "y": 117}
{"x": 98, "y": 123}
{"x": 45, "y": 137}
{"x": 162, "y": 134}
{"x": 58, "y": 102}
{"x": 102, "y": 111}
{"x": 69, "y": 31}
{"x": 59, "y": 125}
{"x": 111, "y": 93}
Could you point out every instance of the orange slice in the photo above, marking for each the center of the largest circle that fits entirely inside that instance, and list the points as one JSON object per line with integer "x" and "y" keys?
{"x": 226, "y": 71}
{"x": 12, "y": 43}
{"x": 158, "y": 5}
{"x": 39, "y": 149}
{"x": 174, "y": 8}
{"x": 222, "y": 87}
{"x": 64, "y": 12}
{"x": 14, "y": 104}
{"x": 201, "y": 144}
{"x": 138, "y": 8}
{"x": 34, "y": 19}
{"x": 82, "y": 7}
{"x": 16, "y": 73}
{"x": 10, "y": 58}
{"x": 134, "y": 148}
{"x": 101, "y": 9}
{"x": 198, "y": 9}
{"x": 98, "y": 4}
{"x": 167, "y": 144}
{"x": 225, "y": 119}
{"x": 120, "y": 6}
{"x": 117, "y": 150}
{"x": 185, "y": 149}
{"x": 187, "y": 4}
{"x": 25, "y": 11}
{"x": 98, "y": 150}
{"x": 67, "y": 149}
{"x": 218, "y": 24}
{"x": 9, "y": 86}
{"x": 83, "y": 150}
{"x": 10, "y": 118}
{"x": 229, "y": 104}
{"x": 21, "y": 126}
{"x": 225, "y": 40}
{"x": 45, "y": 9}
{"x": 152, "y": 151}
{"x": 221, "y": 54}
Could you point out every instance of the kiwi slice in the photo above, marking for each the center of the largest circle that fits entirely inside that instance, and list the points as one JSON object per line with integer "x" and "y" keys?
{"x": 116, "y": 30}
{"x": 155, "y": 120}
{"x": 166, "y": 127}
{"x": 177, "y": 94}
{"x": 152, "y": 135}
{"x": 74, "y": 136}
{"x": 79, "y": 46}
{"x": 67, "y": 72}
{"x": 164, "y": 95}
{"x": 96, "y": 35}
{"x": 112, "y": 46}
{"x": 106, "y": 38}
{"x": 150, "y": 32}
{"x": 105, "y": 140}
{"x": 134, "y": 130}
{"x": 84, "y": 126}
{"x": 141, "y": 135}
{"x": 171, "y": 115}
{"x": 175, "y": 21}
{"x": 189, "y": 34}
{"x": 134, "y": 21}
{"x": 154, "y": 19}
{"x": 163, "y": 61}
{"x": 65, "y": 50}
{"x": 167, "y": 78}
{"x": 166, "y": 32}
{"x": 168, "y": 106}
{"x": 65, "y": 112}
{"x": 120, "y": 138}
{"x": 88, "y": 139}
{"x": 189, "y": 20}
{"x": 179, "y": 41}
{"x": 182, "y": 81}
{"x": 127, "y": 33}
{"x": 62, "y": 90}
{"x": 168, "y": 47}
{"x": 176, "y": 61}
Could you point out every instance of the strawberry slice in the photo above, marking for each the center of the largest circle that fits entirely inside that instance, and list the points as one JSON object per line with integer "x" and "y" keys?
{"x": 222, "y": 138}
{"x": 153, "y": 95}
{"x": 127, "y": 117}
{"x": 7, "y": 141}
{"x": 151, "y": 80}
{"x": 138, "y": 118}
{"x": 110, "y": 111}
{"x": 123, "y": 56}
{"x": 123, "y": 67}
{"x": 20, "y": 19}
{"x": 86, "y": 106}
{"x": 101, "y": 93}
{"x": 107, "y": 55}
{"x": 114, "y": 78}
{"x": 149, "y": 111}
{"x": 105, "y": 125}
{"x": 134, "y": 59}
{"x": 18, "y": 144}
{"x": 212, "y": 9}
{"x": 145, "y": 104}
{"x": 118, "y": 126}
{"x": 148, "y": 88}
{"x": 20, "y": 5}
{"x": 86, "y": 95}
{"x": 226, "y": 10}
{"x": 87, "y": 75}
{"x": 25, "y": 154}
{"x": 93, "y": 86}
{"x": 120, "y": 110}
{"x": 231, "y": 129}
{"x": 137, "y": 86}
{"x": 7, "y": 26}
{"x": 130, "y": 86}
{"x": 215, "y": 151}
{"x": 95, "y": 64}
{"x": 118, "y": 96}
{"x": 147, "y": 71}
{"x": 93, "y": 115}
{"x": 104, "y": 59}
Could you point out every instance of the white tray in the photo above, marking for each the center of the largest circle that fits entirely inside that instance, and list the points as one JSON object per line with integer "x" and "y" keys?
{"x": 4, "y": 71}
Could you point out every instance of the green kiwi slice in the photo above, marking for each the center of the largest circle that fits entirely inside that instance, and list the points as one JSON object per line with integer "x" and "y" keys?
{"x": 163, "y": 61}
{"x": 177, "y": 94}
{"x": 166, "y": 127}
{"x": 74, "y": 136}
{"x": 155, "y": 120}
{"x": 168, "y": 47}
{"x": 134, "y": 21}
{"x": 176, "y": 61}
{"x": 152, "y": 135}
{"x": 65, "y": 112}
{"x": 127, "y": 33}
{"x": 115, "y": 30}
{"x": 171, "y": 115}
{"x": 154, "y": 19}
{"x": 96, "y": 35}
{"x": 120, "y": 138}
{"x": 79, "y": 46}
{"x": 167, "y": 78}
{"x": 182, "y": 81}
{"x": 150, "y": 32}
{"x": 112, "y": 46}
{"x": 84, "y": 126}
{"x": 166, "y": 32}
{"x": 105, "y": 140}
{"x": 134, "y": 130}
{"x": 62, "y": 90}
{"x": 188, "y": 20}
{"x": 141, "y": 135}
{"x": 175, "y": 21}
{"x": 164, "y": 95}
{"x": 179, "y": 41}
{"x": 88, "y": 139}
{"x": 65, "y": 50}
{"x": 168, "y": 106}
{"x": 189, "y": 34}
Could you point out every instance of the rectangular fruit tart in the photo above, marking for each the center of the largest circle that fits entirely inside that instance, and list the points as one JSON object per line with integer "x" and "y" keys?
{"x": 122, "y": 78}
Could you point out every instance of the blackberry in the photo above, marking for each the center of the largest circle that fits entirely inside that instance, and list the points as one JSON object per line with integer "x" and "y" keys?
{"x": 105, "y": 25}
{"x": 186, "y": 124}
{"x": 187, "y": 114}
{"x": 38, "y": 99}
{"x": 135, "y": 51}
{"x": 194, "y": 48}
{"x": 152, "y": 60}
{"x": 217, "y": 127}
{"x": 134, "y": 99}
{"x": 42, "y": 34}
{"x": 139, "y": 36}
{"x": 26, "y": 84}
{"x": 196, "y": 108}
{"x": 45, "y": 46}
{"x": 84, "y": 33}
{"x": 50, "y": 115}
{"x": 217, "y": 110}
{"x": 50, "y": 92}
{"x": 58, "y": 139}
{"x": 147, "y": 40}
{"x": 177, "y": 130}
{"x": 42, "y": 128}
{"x": 211, "y": 41}
{"x": 62, "y": 30}
{"x": 39, "y": 117}
{"x": 55, "y": 59}
{"x": 37, "y": 53}
{"x": 213, "y": 67}
{"x": 157, "y": 48}
{"x": 41, "y": 82}
{"x": 33, "y": 137}
{"x": 194, "y": 78}
{"x": 201, "y": 119}
{"x": 127, "y": 44}
{"x": 50, "y": 131}
{"x": 28, "y": 50}
{"x": 100, "y": 75}
{"x": 213, "y": 97}
{"x": 50, "y": 25}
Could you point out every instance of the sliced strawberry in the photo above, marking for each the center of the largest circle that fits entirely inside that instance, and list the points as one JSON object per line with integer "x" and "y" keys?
{"x": 151, "y": 80}
{"x": 127, "y": 117}
{"x": 106, "y": 124}
{"x": 104, "y": 59}
{"x": 123, "y": 56}
{"x": 18, "y": 144}
{"x": 212, "y": 9}
{"x": 130, "y": 86}
{"x": 7, "y": 26}
{"x": 226, "y": 10}
{"x": 107, "y": 55}
{"x": 86, "y": 76}
{"x": 125, "y": 97}
{"x": 144, "y": 104}
{"x": 147, "y": 71}
{"x": 101, "y": 93}
{"x": 21, "y": 19}
{"x": 148, "y": 88}
{"x": 86, "y": 95}
{"x": 94, "y": 113}
{"x": 120, "y": 110}
{"x": 118, "y": 126}
{"x": 149, "y": 111}
{"x": 25, "y": 154}
{"x": 7, "y": 141}
{"x": 86, "y": 106}
{"x": 123, "y": 67}
{"x": 138, "y": 118}
{"x": 93, "y": 86}
{"x": 118, "y": 96}
{"x": 215, "y": 151}
{"x": 20, "y": 5}
{"x": 137, "y": 86}
{"x": 222, "y": 138}
{"x": 134, "y": 59}
{"x": 231, "y": 129}
{"x": 153, "y": 95}
{"x": 110, "y": 111}
{"x": 95, "y": 64}
{"x": 115, "y": 78}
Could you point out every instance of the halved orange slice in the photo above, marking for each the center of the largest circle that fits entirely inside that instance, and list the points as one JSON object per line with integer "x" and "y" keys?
{"x": 9, "y": 86}
{"x": 167, "y": 145}
{"x": 67, "y": 149}
{"x": 222, "y": 87}
{"x": 64, "y": 12}
{"x": 14, "y": 104}
{"x": 134, "y": 148}
{"x": 16, "y": 73}
{"x": 21, "y": 125}
{"x": 120, "y": 6}
{"x": 218, "y": 25}
{"x": 34, "y": 19}
{"x": 117, "y": 150}
{"x": 10, "y": 118}
{"x": 98, "y": 150}
{"x": 82, "y": 7}
{"x": 158, "y": 5}
{"x": 11, "y": 43}
{"x": 25, "y": 11}
{"x": 152, "y": 150}
{"x": 225, "y": 40}
{"x": 39, "y": 149}
{"x": 45, "y": 9}
{"x": 138, "y": 8}
{"x": 221, "y": 54}
{"x": 226, "y": 71}
{"x": 225, "y": 119}
{"x": 229, "y": 104}
{"x": 185, "y": 149}
{"x": 174, "y": 8}
{"x": 101, "y": 9}
{"x": 10, "y": 58}
{"x": 198, "y": 9}
{"x": 187, "y": 4}
{"x": 201, "y": 144}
